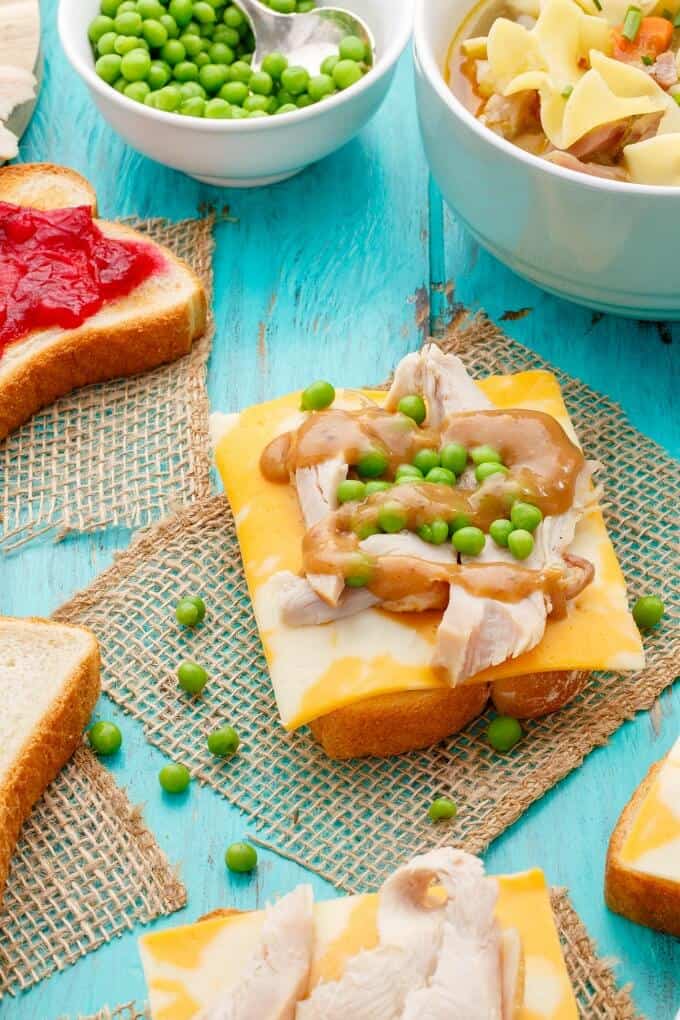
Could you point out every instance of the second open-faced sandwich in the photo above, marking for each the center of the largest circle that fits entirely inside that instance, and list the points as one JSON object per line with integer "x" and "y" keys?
{"x": 411, "y": 553}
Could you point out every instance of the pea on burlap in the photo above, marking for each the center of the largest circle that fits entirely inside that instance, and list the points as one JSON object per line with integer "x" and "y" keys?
{"x": 122, "y": 453}
{"x": 85, "y": 871}
{"x": 592, "y": 978}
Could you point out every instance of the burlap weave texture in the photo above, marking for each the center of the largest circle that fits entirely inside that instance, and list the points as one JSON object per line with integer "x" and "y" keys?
{"x": 123, "y": 453}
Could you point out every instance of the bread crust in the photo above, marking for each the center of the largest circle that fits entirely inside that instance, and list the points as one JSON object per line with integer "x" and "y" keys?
{"x": 96, "y": 353}
{"x": 49, "y": 747}
{"x": 645, "y": 899}
{"x": 70, "y": 189}
{"x": 394, "y": 723}
{"x": 537, "y": 694}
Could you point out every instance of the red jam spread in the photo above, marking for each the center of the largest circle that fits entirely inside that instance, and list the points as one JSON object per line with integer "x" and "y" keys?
{"x": 58, "y": 269}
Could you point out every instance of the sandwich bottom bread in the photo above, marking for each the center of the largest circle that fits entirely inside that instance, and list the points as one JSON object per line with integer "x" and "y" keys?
{"x": 642, "y": 878}
{"x": 49, "y": 684}
{"x": 440, "y": 938}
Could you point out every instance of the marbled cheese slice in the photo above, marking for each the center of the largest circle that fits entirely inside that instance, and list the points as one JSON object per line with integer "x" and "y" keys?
{"x": 186, "y": 968}
{"x": 652, "y": 844}
{"x": 316, "y": 670}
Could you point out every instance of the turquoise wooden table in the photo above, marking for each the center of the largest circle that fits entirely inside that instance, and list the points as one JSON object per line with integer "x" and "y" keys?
{"x": 337, "y": 274}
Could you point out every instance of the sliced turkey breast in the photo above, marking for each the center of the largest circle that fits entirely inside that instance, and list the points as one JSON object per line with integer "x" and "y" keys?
{"x": 441, "y": 379}
{"x": 317, "y": 489}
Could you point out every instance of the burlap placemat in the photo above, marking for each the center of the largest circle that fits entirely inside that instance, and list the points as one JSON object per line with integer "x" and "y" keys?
{"x": 86, "y": 870}
{"x": 350, "y": 822}
{"x": 592, "y": 978}
{"x": 122, "y": 453}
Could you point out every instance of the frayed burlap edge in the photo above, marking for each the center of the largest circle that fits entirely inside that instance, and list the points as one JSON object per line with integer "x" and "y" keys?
{"x": 86, "y": 870}
{"x": 592, "y": 978}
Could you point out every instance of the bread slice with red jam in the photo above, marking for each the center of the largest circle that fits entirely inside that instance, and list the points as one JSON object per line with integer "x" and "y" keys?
{"x": 81, "y": 300}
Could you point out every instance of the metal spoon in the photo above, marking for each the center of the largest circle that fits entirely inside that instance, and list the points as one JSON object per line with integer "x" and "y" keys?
{"x": 305, "y": 39}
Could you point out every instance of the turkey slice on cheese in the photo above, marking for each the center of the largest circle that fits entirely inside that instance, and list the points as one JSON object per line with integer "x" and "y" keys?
{"x": 186, "y": 968}
{"x": 316, "y": 670}
{"x": 652, "y": 844}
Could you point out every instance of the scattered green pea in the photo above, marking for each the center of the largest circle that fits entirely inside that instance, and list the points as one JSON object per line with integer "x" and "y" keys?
{"x": 376, "y": 486}
{"x": 503, "y": 733}
{"x": 500, "y": 531}
{"x": 521, "y": 543}
{"x": 127, "y": 23}
{"x": 469, "y": 541}
{"x": 108, "y": 67}
{"x": 234, "y": 92}
{"x": 440, "y": 476}
{"x": 440, "y": 531}
{"x": 320, "y": 86}
{"x": 442, "y": 809}
{"x": 488, "y": 468}
{"x": 413, "y": 406}
{"x": 426, "y": 460}
{"x": 525, "y": 516}
{"x": 485, "y": 455}
{"x": 155, "y": 33}
{"x": 256, "y": 104}
{"x": 351, "y": 491}
{"x": 137, "y": 90}
{"x": 648, "y": 611}
{"x": 295, "y": 80}
{"x": 346, "y": 73}
{"x": 105, "y": 738}
{"x": 352, "y": 48}
{"x": 329, "y": 65}
{"x": 454, "y": 458}
{"x": 174, "y": 778}
{"x": 372, "y": 464}
{"x": 192, "y": 106}
{"x": 190, "y": 610}
{"x": 459, "y": 521}
{"x": 223, "y": 743}
{"x": 192, "y": 677}
{"x": 159, "y": 74}
{"x": 408, "y": 471}
{"x": 392, "y": 518}
{"x": 366, "y": 529}
{"x": 425, "y": 532}
{"x": 318, "y": 396}
{"x": 241, "y": 857}
{"x": 106, "y": 44}
{"x": 135, "y": 65}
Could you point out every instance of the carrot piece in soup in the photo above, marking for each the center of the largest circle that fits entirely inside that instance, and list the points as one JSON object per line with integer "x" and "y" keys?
{"x": 653, "y": 38}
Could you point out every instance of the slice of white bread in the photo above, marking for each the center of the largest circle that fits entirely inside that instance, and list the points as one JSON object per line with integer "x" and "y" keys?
{"x": 156, "y": 323}
{"x": 49, "y": 684}
{"x": 646, "y": 889}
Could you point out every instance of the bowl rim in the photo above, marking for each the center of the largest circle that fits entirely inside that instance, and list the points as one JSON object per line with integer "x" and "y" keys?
{"x": 425, "y": 58}
{"x": 384, "y": 63}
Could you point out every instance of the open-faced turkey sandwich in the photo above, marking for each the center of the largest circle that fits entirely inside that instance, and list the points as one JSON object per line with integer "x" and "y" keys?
{"x": 411, "y": 553}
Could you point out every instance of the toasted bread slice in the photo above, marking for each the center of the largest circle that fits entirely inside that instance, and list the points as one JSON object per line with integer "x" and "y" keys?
{"x": 652, "y": 900}
{"x": 45, "y": 186}
{"x": 537, "y": 694}
{"x": 154, "y": 324}
{"x": 49, "y": 684}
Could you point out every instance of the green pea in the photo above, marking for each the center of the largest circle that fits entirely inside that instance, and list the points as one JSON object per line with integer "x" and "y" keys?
{"x": 425, "y": 460}
{"x": 329, "y": 65}
{"x": 192, "y": 90}
{"x": 233, "y": 17}
{"x": 283, "y": 6}
{"x": 218, "y": 109}
{"x": 174, "y": 778}
{"x": 108, "y": 67}
{"x": 223, "y": 742}
{"x": 261, "y": 83}
{"x": 229, "y": 36}
{"x": 170, "y": 26}
{"x": 488, "y": 468}
{"x": 255, "y": 113}
{"x": 459, "y": 521}
{"x": 194, "y": 106}
{"x": 235, "y": 92}
{"x": 193, "y": 44}
{"x": 137, "y": 90}
{"x": 155, "y": 33}
{"x": 192, "y": 677}
{"x": 360, "y": 575}
{"x": 105, "y": 738}
{"x": 127, "y": 5}
{"x": 305, "y": 5}
{"x": 241, "y": 857}
{"x": 126, "y": 43}
{"x": 521, "y": 543}
{"x": 285, "y": 99}
{"x": 442, "y": 809}
{"x": 167, "y": 99}
{"x": 318, "y": 396}
{"x": 320, "y": 85}
{"x": 440, "y": 476}
{"x": 469, "y": 541}
{"x": 201, "y": 60}
{"x": 413, "y": 406}
{"x": 152, "y": 98}
{"x": 106, "y": 44}
{"x": 485, "y": 455}
{"x": 204, "y": 13}
{"x": 182, "y": 11}
{"x": 373, "y": 487}
{"x": 454, "y": 457}
{"x": 135, "y": 65}
{"x": 128, "y": 23}
{"x": 525, "y": 516}
{"x": 120, "y": 84}
{"x": 440, "y": 531}
{"x": 392, "y": 518}
{"x": 500, "y": 531}
{"x": 275, "y": 64}
{"x": 425, "y": 532}
{"x": 220, "y": 53}
{"x": 503, "y": 733}
{"x": 110, "y": 7}
{"x": 303, "y": 101}
{"x": 352, "y": 48}
{"x": 346, "y": 73}
{"x": 188, "y": 611}
{"x": 99, "y": 26}
{"x": 295, "y": 80}
{"x": 408, "y": 471}
{"x": 648, "y": 611}
{"x": 372, "y": 464}
{"x": 237, "y": 113}
{"x": 240, "y": 71}
{"x": 366, "y": 529}
{"x": 351, "y": 491}
{"x": 186, "y": 71}
{"x": 159, "y": 74}
{"x": 150, "y": 9}
{"x": 212, "y": 77}
{"x": 173, "y": 52}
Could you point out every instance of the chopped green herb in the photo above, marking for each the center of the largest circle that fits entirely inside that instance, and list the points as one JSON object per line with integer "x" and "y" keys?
{"x": 648, "y": 61}
{"x": 631, "y": 23}
{"x": 598, "y": 4}
{"x": 567, "y": 91}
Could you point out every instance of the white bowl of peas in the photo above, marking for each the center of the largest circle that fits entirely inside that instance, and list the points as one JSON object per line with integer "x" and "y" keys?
{"x": 174, "y": 79}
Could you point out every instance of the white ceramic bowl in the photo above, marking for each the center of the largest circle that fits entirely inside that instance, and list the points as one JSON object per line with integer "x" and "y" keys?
{"x": 605, "y": 244}
{"x": 244, "y": 153}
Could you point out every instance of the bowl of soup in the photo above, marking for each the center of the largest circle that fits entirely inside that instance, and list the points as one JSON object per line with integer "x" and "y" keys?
{"x": 552, "y": 128}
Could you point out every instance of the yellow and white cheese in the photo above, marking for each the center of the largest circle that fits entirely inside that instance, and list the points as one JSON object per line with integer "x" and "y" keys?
{"x": 652, "y": 844}
{"x": 316, "y": 670}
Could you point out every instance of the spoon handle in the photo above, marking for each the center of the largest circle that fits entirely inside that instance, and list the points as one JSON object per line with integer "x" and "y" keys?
{"x": 267, "y": 25}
